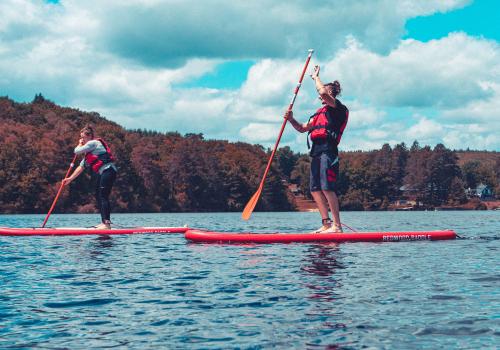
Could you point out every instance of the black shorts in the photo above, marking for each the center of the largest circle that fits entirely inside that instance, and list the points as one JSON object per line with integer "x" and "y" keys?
{"x": 324, "y": 172}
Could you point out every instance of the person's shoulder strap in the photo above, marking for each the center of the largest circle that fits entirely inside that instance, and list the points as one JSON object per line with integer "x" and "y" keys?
{"x": 106, "y": 147}
{"x": 319, "y": 111}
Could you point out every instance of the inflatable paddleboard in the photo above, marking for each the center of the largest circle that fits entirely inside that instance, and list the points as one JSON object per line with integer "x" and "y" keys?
{"x": 76, "y": 231}
{"x": 233, "y": 237}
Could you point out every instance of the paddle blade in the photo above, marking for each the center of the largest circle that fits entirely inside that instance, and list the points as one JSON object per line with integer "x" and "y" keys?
{"x": 247, "y": 212}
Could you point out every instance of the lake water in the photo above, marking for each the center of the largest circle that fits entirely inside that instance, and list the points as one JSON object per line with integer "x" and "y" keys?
{"x": 158, "y": 291}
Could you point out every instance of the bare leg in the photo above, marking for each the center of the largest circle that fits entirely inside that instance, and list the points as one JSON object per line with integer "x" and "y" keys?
{"x": 333, "y": 203}
{"x": 321, "y": 202}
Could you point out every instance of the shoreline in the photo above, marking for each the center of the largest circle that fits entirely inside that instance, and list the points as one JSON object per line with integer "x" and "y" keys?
{"x": 306, "y": 205}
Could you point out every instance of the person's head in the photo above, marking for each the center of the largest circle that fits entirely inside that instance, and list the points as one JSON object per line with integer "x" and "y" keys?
{"x": 87, "y": 133}
{"x": 334, "y": 88}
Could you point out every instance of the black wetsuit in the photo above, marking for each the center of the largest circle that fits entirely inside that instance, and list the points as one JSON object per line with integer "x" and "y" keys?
{"x": 104, "y": 184}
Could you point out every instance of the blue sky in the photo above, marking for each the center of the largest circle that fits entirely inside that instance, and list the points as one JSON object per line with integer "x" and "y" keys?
{"x": 226, "y": 75}
{"x": 480, "y": 18}
{"x": 426, "y": 70}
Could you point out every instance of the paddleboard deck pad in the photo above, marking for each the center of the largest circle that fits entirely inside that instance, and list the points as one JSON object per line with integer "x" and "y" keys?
{"x": 77, "y": 231}
{"x": 233, "y": 237}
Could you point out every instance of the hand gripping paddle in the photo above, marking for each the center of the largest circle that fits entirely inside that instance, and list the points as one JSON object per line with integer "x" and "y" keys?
{"x": 247, "y": 212}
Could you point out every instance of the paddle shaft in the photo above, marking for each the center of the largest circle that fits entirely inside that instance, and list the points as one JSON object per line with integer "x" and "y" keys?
{"x": 59, "y": 192}
{"x": 253, "y": 201}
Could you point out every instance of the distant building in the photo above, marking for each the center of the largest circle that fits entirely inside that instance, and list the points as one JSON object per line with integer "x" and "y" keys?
{"x": 405, "y": 204}
{"x": 482, "y": 191}
{"x": 410, "y": 194}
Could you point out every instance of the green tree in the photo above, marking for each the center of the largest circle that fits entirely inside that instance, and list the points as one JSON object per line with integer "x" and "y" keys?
{"x": 286, "y": 160}
{"x": 457, "y": 194}
{"x": 417, "y": 172}
{"x": 470, "y": 171}
{"x": 300, "y": 175}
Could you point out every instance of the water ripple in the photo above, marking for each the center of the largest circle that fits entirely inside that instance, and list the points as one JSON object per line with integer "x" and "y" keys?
{"x": 157, "y": 291}
{"x": 89, "y": 302}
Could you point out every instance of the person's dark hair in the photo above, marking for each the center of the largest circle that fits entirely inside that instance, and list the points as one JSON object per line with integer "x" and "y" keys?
{"x": 335, "y": 86}
{"x": 88, "y": 130}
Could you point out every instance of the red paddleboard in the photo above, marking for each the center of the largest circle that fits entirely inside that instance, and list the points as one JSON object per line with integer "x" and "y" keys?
{"x": 76, "y": 231}
{"x": 233, "y": 237}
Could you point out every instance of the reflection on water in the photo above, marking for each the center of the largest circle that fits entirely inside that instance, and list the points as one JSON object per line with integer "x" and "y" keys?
{"x": 323, "y": 259}
{"x": 323, "y": 262}
{"x": 100, "y": 245}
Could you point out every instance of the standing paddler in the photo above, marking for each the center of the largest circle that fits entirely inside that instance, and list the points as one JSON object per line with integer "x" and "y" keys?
{"x": 325, "y": 128}
{"x": 100, "y": 160}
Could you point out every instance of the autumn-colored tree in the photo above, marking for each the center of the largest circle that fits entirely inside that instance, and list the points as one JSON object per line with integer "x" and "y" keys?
{"x": 156, "y": 171}
{"x": 159, "y": 172}
{"x": 442, "y": 169}
{"x": 300, "y": 175}
{"x": 286, "y": 160}
{"x": 456, "y": 195}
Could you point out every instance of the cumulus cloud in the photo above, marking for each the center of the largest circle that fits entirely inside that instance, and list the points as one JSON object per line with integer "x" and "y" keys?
{"x": 442, "y": 73}
{"x": 167, "y": 33}
{"x": 486, "y": 110}
{"x": 425, "y": 129}
{"x": 259, "y": 132}
{"x": 128, "y": 61}
{"x": 362, "y": 116}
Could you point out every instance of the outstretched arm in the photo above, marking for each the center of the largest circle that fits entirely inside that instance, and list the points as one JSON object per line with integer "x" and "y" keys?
{"x": 300, "y": 127}
{"x": 73, "y": 176}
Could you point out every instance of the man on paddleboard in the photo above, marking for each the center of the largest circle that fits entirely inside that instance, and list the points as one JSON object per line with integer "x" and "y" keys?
{"x": 99, "y": 159}
{"x": 325, "y": 128}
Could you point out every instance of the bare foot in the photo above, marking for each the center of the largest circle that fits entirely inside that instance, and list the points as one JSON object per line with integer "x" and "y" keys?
{"x": 103, "y": 226}
{"x": 327, "y": 224}
{"x": 333, "y": 229}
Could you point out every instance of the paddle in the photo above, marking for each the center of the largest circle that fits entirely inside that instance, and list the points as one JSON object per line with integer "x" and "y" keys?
{"x": 247, "y": 212}
{"x": 59, "y": 192}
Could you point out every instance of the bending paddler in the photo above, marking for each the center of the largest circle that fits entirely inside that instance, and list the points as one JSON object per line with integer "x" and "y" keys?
{"x": 100, "y": 160}
{"x": 325, "y": 128}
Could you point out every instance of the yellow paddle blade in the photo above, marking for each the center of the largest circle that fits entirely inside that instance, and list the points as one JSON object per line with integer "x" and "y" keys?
{"x": 247, "y": 212}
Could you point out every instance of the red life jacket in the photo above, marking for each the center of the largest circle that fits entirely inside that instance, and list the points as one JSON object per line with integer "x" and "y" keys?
{"x": 320, "y": 125}
{"x": 328, "y": 124}
{"x": 97, "y": 161}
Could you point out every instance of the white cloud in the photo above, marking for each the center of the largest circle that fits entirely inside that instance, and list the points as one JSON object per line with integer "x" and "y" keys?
{"x": 127, "y": 61}
{"x": 260, "y": 133}
{"x": 268, "y": 80}
{"x": 362, "y": 116}
{"x": 424, "y": 130}
{"x": 486, "y": 111}
{"x": 441, "y": 73}
{"x": 170, "y": 32}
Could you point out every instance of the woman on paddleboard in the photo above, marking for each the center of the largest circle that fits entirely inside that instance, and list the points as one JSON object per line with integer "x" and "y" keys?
{"x": 325, "y": 128}
{"x": 99, "y": 159}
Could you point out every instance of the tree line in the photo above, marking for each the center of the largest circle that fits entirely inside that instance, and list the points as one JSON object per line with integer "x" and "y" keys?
{"x": 157, "y": 172}
{"x": 431, "y": 177}
{"x": 170, "y": 172}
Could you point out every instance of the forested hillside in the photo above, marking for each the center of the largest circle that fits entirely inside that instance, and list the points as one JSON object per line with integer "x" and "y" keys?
{"x": 157, "y": 172}
{"x": 431, "y": 177}
{"x": 161, "y": 172}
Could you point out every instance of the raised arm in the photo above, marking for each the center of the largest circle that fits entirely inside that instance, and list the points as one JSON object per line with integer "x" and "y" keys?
{"x": 323, "y": 92}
